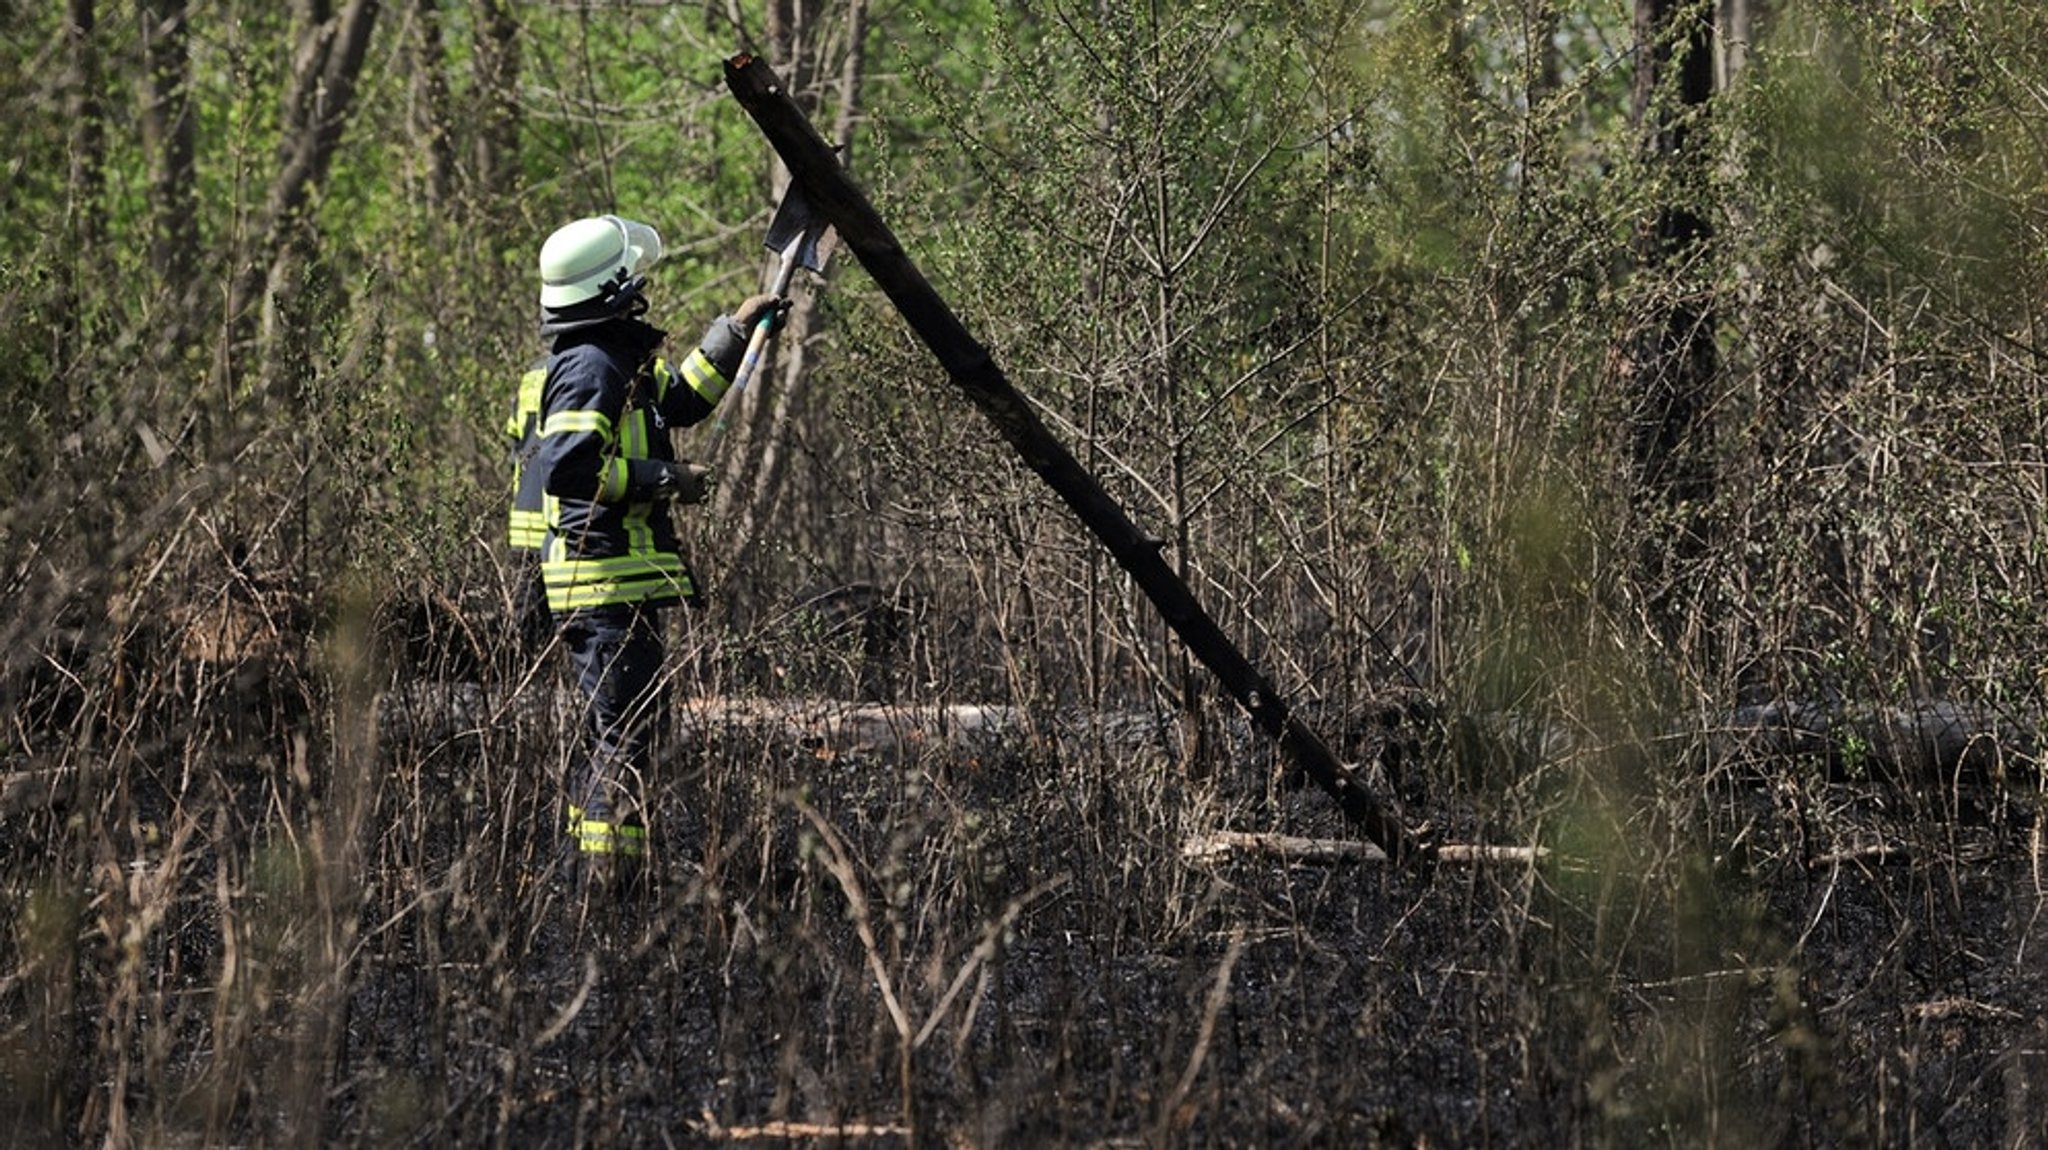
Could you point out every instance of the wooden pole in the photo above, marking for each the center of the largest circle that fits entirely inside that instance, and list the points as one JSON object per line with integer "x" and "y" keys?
{"x": 814, "y": 165}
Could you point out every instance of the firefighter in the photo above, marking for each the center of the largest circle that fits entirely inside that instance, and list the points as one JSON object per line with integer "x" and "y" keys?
{"x": 610, "y": 560}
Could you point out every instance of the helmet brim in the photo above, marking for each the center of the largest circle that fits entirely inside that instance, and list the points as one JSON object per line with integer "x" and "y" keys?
{"x": 643, "y": 245}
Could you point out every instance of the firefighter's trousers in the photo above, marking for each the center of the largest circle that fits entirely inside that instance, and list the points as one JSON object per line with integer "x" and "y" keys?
{"x": 617, "y": 655}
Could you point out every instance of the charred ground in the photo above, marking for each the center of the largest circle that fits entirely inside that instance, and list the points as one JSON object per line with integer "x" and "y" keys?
{"x": 301, "y": 909}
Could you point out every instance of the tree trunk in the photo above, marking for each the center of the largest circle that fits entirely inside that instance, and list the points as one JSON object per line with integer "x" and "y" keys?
{"x": 432, "y": 125}
{"x": 88, "y": 125}
{"x": 1546, "y": 66}
{"x": 169, "y": 133}
{"x": 1223, "y": 846}
{"x": 325, "y": 68}
{"x": 85, "y": 182}
{"x": 1673, "y": 362}
{"x": 495, "y": 158}
{"x": 837, "y": 200}
{"x": 1737, "y": 21}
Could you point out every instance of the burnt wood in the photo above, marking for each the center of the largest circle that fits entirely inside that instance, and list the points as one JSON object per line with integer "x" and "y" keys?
{"x": 814, "y": 165}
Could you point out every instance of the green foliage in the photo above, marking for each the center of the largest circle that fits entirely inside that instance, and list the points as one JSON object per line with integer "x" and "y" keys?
{"x": 1908, "y": 139}
{"x": 1888, "y": 268}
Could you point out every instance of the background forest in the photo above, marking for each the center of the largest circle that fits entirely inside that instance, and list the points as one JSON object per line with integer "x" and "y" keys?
{"x": 1616, "y": 426}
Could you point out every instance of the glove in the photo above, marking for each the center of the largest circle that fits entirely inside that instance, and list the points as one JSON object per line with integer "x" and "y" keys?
{"x": 682, "y": 482}
{"x": 755, "y": 307}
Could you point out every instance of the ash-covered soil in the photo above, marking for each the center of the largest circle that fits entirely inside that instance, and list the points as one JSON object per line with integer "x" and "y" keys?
{"x": 1009, "y": 950}
{"x": 1779, "y": 958}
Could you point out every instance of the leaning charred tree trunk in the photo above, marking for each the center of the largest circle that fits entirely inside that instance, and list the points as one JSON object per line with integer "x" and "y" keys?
{"x": 814, "y": 167}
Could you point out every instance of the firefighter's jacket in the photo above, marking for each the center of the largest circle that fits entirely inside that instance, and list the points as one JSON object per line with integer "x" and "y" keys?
{"x": 607, "y": 406}
{"x": 526, "y": 525}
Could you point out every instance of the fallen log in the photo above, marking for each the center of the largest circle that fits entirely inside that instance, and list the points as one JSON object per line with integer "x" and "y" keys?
{"x": 856, "y": 727}
{"x": 785, "y": 1131}
{"x": 1915, "y": 741}
{"x": 1913, "y": 744}
{"x": 432, "y": 714}
{"x": 1217, "y": 846}
{"x": 1918, "y": 741}
{"x": 36, "y": 789}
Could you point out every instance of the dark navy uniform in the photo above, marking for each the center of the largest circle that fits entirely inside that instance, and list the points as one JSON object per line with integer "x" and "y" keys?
{"x": 610, "y": 558}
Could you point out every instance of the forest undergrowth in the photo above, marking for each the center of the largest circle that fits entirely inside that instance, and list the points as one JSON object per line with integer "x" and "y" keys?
{"x": 263, "y": 889}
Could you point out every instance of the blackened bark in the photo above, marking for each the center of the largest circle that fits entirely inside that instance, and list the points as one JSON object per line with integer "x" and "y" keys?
{"x": 813, "y": 165}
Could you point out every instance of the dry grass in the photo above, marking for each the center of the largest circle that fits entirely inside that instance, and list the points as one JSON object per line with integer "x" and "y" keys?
{"x": 244, "y": 910}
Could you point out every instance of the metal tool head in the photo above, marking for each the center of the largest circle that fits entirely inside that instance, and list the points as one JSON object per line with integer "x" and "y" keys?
{"x": 796, "y": 222}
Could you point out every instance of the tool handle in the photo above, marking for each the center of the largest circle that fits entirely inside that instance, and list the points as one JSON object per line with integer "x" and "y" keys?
{"x": 757, "y": 346}
{"x": 764, "y": 328}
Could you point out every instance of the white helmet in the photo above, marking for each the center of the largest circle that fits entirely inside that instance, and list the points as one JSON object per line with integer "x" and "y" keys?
{"x": 595, "y": 258}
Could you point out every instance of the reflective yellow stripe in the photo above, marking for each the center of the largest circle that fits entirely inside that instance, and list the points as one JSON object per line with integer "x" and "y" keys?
{"x": 526, "y": 529}
{"x": 571, "y": 422}
{"x": 600, "y": 838}
{"x": 567, "y": 593}
{"x": 530, "y": 386}
{"x": 561, "y": 568}
{"x": 633, "y": 444}
{"x": 639, "y": 530}
{"x": 704, "y": 378}
{"x": 605, "y": 594}
{"x": 611, "y": 481}
{"x": 573, "y": 583}
{"x": 633, "y": 436}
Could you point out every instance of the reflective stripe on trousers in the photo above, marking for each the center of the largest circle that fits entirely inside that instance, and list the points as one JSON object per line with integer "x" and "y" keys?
{"x": 601, "y": 838}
